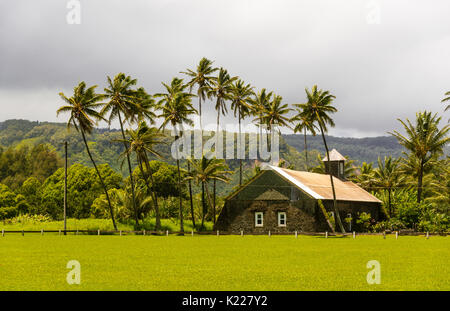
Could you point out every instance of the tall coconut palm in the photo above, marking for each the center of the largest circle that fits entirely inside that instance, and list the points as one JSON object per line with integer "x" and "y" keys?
{"x": 202, "y": 78}
{"x": 221, "y": 90}
{"x": 206, "y": 170}
{"x": 177, "y": 88}
{"x": 240, "y": 104}
{"x": 318, "y": 108}
{"x": 424, "y": 140}
{"x": 141, "y": 142}
{"x": 387, "y": 177}
{"x": 82, "y": 107}
{"x": 177, "y": 110}
{"x": 364, "y": 178}
{"x": 122, "y": 100}
{"x": 259, "y": 103}
{"x": 303, "y": 124}
{"x": 275, "y": 114}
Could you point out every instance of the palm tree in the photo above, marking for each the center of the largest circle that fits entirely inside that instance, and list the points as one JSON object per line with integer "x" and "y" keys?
{"x": 387, "y": 177}
{"x": 122, "y": 100}
{"x": 221, "y": 89}
{"x": 275, "y": 114}
{"x": 302, "y": 123}
{"x": 203, "y": 79}
{"x": 141, "y": 142}
{"x": 447, "y": 99}
{"x": 205, "y": 170}
{"x": 365, "y": 176}
{"x": 177, "y": 110}
{"x": 177, "y": 88}
{"x": 317, "y": 108}
{"x": 240, "y": 104}
{"x": 83, "y": 116}
{"x": 424, "y": 140}
{"x": 259, "y": 103}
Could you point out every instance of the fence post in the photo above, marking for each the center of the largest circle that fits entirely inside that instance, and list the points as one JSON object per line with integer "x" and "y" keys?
{"x": 3, "y": 232}
{"x": 428, "y": 236}
{"x": 42, "y": 231}
{"x": 59, "y": 232}
{"x": 76, "y": 233}
{"x": 396, "y": 235}
{"x": 354, "y": 234}
{"x": 167, "y": 232}
{"x": 192, "y": 232}
{"x": 269, "y": 233}
{"x": 242, "y": 232}
{"x": 384, "y": 234}
{"x": 326, "y": 234}
{"x": 23, "y": 233}
{"x": 217, "y": 232}
{"x": 143, "y": 231}
{"x": 98, "y": 232}
{"x": 120, "y": 233}
{"x": 296, "y": 234}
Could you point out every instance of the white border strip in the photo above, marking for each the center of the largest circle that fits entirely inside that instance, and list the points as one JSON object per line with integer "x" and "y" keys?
{"x": 296, "y": 182}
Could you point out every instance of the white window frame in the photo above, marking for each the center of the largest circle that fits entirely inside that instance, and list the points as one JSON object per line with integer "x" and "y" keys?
{"x": 256, "y": 219}
{"x": 279, "y": 219}
{"x": 341, "y": 168}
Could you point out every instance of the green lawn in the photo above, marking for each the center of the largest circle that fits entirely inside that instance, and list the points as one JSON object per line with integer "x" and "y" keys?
{"x": 35, "y": 262}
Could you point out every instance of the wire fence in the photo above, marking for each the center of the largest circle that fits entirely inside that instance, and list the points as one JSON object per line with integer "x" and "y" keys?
{"x": 269, "y": 233}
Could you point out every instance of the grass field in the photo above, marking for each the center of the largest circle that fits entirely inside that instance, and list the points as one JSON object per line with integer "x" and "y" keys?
{"x": 35, "y": 262}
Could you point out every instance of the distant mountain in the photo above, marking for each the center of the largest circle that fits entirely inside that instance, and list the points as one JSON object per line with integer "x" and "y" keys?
{"x": 18, "y": 133}
{"x": 366, "y": 149}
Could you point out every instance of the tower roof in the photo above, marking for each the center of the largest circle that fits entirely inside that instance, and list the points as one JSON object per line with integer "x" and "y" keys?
{"x": 334, "y": 156}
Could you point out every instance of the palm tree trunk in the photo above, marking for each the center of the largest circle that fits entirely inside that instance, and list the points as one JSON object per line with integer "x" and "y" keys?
{"x": 420, "y": 182}
{"x": 129, "y": 171}
{"x": 190, "y": 196}
{"x": 306, "y": 153}
{"x": 101, "y": 179}
{"x": 181, "y": 200}
{"x": 336, "y": 211}
{"x": 214, "y": 183}
{"x": 190, "y": 186}
{"x": 153, "y": 191}
{"x": 240, "y": 143}
{"x": 209, "y": 196}
{"x": 389, "y": 202}
{"x": 204, "y": 208}
{"x": 179, "y": 190}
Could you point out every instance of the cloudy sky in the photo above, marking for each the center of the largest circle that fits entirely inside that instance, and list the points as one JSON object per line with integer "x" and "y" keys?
{"x": 381, "y": 59}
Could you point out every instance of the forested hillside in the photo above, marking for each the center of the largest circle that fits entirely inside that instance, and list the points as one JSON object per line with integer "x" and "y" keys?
{"x": 17, "y": 133}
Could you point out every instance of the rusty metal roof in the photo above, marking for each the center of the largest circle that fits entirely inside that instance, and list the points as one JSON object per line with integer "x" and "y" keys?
{"x": 335, "y": 156}
{"x": 319, "y": 186}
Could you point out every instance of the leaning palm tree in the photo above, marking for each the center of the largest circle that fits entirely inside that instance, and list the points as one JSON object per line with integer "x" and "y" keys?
{"x": 82, "y": 107}
{"x": 206, "y": 170}
{"x": 387, "y": 177}
{"x": 141, "y": 142}
{"x": 317, "y": 108}
{"x": 122, "y": 100}
{"x": 302, "y": 123}
{"x": 240, "y": 104}
{"x": 177, "y": 88}
{"x": 177, "y": 110}
{"x": 424, "y": 141}
{"x": 221, "y": 89}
